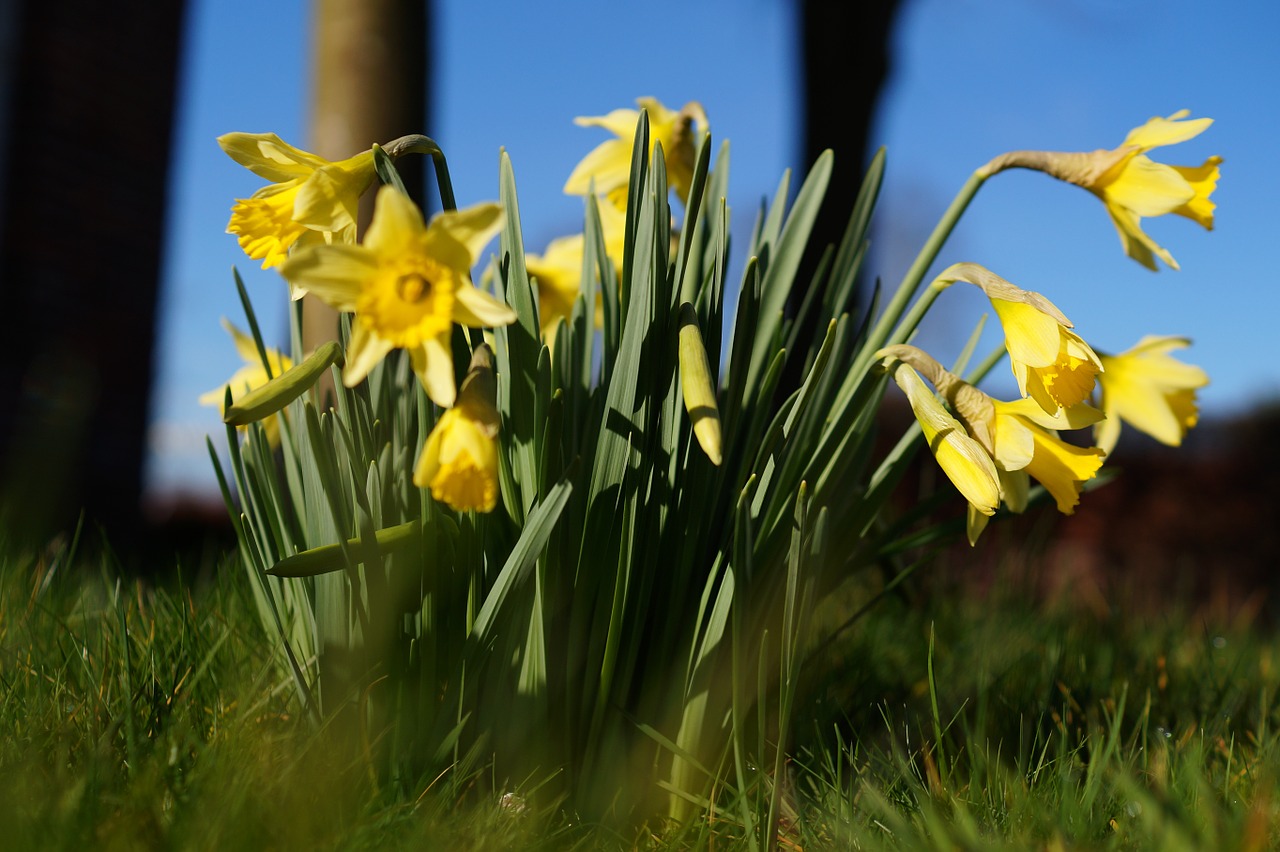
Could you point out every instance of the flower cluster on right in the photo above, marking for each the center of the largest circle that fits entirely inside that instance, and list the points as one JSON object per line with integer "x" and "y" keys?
{"x": 990, "y": 449}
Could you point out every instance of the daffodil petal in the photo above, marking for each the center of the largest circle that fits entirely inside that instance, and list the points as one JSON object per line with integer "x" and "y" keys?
{"x": 477, "y": 309}
{"x": 1149, "y": 188}
{"x": 457, "y": 237}
{"x": 1158, "y": 131}
{"x": 433, "y": 364}
{"x": 397, "y": 225}
{"x": 1061, "y": 468}
{"x": 334, "y": 273}
{"x": 1136, "y": 243}
{"x": 1031, "y": 336}
{"x": 268, "y": 156}
{"x": 364, "y": 352}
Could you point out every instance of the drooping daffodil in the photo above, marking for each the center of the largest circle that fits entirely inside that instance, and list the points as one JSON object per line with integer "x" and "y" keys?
{"x": 1131, "y": 184}
{"x": 459, "y": 461}
{"x": 407, "y": 283}
{"x": 1149, "y": 389}
{"x": 608, "y": 166}
{"x": 966, "y": 462}
{"x": 310, "y": 200}
{"x": 1019, "y": 437}
{"x": 1051, "y": 363}
{"x": 251, "y": 376}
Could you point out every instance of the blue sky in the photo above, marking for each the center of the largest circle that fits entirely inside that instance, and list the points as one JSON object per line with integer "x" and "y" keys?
{"x": 970, "y": 79}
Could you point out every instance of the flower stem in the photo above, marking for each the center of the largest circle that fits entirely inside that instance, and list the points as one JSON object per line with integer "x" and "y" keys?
{"x": 911, "y": 281}
{"x": 419, "y": 144}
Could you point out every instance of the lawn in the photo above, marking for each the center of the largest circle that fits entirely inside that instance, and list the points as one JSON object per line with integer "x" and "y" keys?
{"x": 956, "y": 714}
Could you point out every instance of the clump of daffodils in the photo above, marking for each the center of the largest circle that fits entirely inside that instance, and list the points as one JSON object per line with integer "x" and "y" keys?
{"x": 463, "y": 514}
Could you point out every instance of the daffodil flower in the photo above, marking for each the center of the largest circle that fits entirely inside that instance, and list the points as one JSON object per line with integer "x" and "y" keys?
{"x": 1131, "y": 184}
{"x": 558, "y": 271}
{"x": 1019, "y": 437}
{"x": 1051, "y": 363}
{"x": 408, "y": 283}
{"x": 609, "y": 164}
{"x": 309, "y": 200}
{"x": 249, "y": 377}
{"x": 459, "y": 461}
{"x": 965, "y": 462}
{"x": 1151, "y": 390}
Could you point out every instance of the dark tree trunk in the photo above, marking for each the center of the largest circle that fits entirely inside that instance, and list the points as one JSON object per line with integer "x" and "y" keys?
{"x": 845, "y": 57}
{"x": 86, "y": 101}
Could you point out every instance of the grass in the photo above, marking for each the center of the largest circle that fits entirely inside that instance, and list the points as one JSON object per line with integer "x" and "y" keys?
{"x": 141, "y": 716}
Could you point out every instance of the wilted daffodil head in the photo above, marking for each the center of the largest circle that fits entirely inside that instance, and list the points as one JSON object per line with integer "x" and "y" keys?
{"x": 309, "y": 199}
{"x": 1051, "y": 363}
{"x": 459, "y": 461}
{"x": 1151, "y": 390}
{"x": 1131, "y": 184}
{"x": 608, "y": 167}
{"x": 408, "y": 283}
{"x": 1019, "y": 437}
{"x": 249, "y": 377}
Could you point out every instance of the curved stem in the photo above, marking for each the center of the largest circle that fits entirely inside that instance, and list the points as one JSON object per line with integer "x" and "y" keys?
{"x": 911, "y": 281}
{"x": 418, "y": 144}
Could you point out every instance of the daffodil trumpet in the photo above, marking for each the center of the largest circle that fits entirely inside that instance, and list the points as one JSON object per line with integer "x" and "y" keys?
{"x": 459, "y": 461}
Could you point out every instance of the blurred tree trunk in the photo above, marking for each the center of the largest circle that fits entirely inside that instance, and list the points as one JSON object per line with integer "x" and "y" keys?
{"x": 86, "y": 112}
{"x": 369, "y": 77}
{"x": 845, "y": 60}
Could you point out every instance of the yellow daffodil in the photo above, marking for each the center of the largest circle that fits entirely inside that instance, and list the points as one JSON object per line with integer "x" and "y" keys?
{"x": 1019, "y": 437}
{"x": 558, "y": 271}
{"x": 408, "y": 283}
{"x": 459, "y": 461}
{"x": 1051, "y": 363}
{"x": 1151, "y": 390}
{"x": 249, "y": 377}
{"x": 965, "y": 462}
{"x": 309, "y": 200}
{"x": 609, "y": 165}
{"x": 1131, "y": 184}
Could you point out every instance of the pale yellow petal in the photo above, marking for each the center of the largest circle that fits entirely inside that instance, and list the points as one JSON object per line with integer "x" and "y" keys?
{"x": 268, "y": 156}
{"x": 433, "y": 364}
{"x": 1136, "y": 243}
{"x": 1031, "y": 336}
{"x": 619, "y": 122}
{"x": 1062, "y": 468}
{"x": 334, "y": 273}
{"x": 329, "y": 199}
{"x": 397, "y": 226}
{"x": 1015, "y": 446}
{"x": 608, "y": 165}
{"x": 456, "y": 238}
{"x": 1148, "y": 188}
{"x": 477, "y": 309}
{"x": 1167, "y": 131}
{"x": 364, "y": 352}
